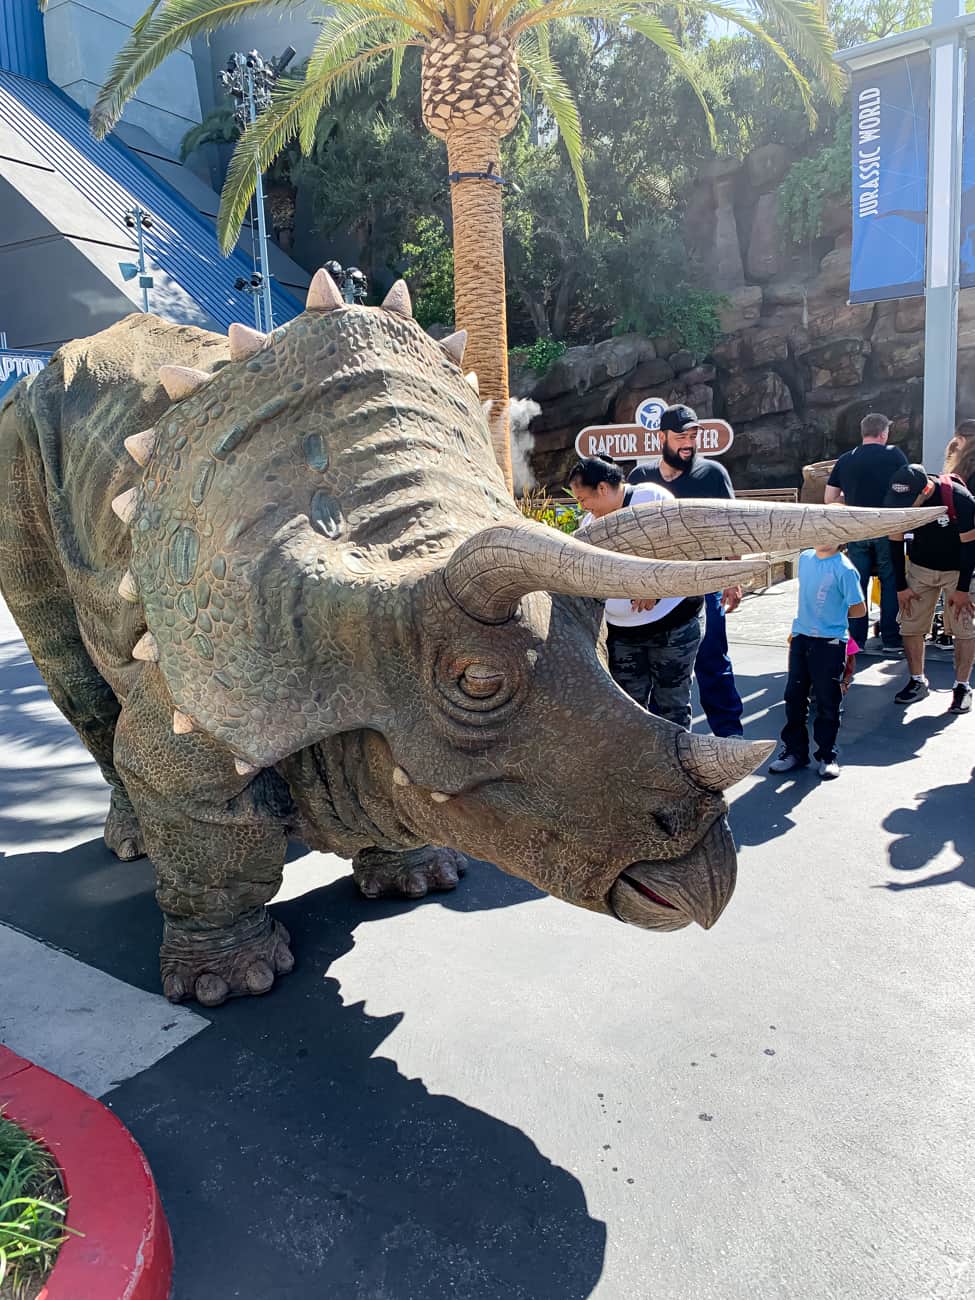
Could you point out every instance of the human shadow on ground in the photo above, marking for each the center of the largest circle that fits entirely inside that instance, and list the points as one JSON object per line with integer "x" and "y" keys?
{"x": 292, "y": 1159}
{"x": 939, "y": 820}
{"x": 874, "y": 733}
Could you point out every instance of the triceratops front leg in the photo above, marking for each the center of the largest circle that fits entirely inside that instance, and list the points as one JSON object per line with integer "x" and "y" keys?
{"x": 410, "y": 874}
{"x": 217, "y": 840}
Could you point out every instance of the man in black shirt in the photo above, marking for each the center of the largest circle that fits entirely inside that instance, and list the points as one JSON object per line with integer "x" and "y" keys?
{"x": 686, "y": 474}
{"x": 941, "y": 559}
{"x": 860, "y": 478}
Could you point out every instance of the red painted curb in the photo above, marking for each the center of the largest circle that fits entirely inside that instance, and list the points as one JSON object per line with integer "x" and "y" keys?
{"x": 126, "y": 1252}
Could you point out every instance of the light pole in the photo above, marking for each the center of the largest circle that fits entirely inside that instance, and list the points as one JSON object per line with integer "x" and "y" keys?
{"x": 351, "y": 281}
{"x": 137, "y": 219}
{"x": 249, "y": 80}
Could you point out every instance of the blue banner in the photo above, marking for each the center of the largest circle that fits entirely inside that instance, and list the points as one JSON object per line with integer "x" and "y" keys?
{"x": 890, "y": 179}
{"x": 967, "y": 235}
{"x": 14, "y": 365}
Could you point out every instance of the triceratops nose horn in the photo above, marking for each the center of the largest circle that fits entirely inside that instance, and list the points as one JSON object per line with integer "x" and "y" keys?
{"x": 717, "y": 763}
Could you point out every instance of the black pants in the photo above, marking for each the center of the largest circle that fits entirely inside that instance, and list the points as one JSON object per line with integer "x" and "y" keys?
{"x": 815, "y": 669}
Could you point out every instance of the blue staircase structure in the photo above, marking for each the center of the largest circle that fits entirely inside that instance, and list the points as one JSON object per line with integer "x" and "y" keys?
{"x": 111, "y": 178}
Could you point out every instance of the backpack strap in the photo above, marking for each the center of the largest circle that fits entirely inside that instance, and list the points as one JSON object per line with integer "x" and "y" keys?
{"x": 946, "y": 483}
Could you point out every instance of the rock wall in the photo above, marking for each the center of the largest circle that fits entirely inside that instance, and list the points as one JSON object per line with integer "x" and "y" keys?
{"x": 796, "y": 368}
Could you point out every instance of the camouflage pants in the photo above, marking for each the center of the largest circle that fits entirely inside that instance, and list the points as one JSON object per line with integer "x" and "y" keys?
{"x": 656, "y": 669}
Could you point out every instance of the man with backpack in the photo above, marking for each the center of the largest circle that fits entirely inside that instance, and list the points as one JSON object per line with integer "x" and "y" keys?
{"x": 940, "y": 559}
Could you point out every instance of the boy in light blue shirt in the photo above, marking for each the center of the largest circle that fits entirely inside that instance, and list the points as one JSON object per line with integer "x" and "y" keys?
{"x": 829, "y": 596}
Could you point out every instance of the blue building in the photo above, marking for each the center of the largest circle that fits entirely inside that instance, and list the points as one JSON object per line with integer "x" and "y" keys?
{"x": 64, "y": 195}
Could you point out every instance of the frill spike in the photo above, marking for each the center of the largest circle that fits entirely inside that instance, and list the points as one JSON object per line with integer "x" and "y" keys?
{"x": 127, "y": 588}
{"x": 472, "y": 380}
{"x": 146, "y": 649}
{"x": 438, "y": 796}
{"x": 244, "y": 768}
{"x": 124, "y": 505}
{"x": 140, "y": 446}
{"x": 245, "y": 342}
{"x": 454, "y": 345}
{"x": 323, "y": 293}
{"x": 182, "y": 725}
{"x": 182, "y": 381}
{"x": 398, "y": 300}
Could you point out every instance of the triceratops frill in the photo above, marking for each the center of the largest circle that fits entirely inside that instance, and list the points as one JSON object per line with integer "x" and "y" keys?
{"x": 312, "y": 610}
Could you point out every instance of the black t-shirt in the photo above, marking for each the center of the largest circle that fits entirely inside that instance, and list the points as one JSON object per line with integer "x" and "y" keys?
{"x": 863, "y": 475}
{"x": 938, "y": 545}
{"x": 706, "y": 478}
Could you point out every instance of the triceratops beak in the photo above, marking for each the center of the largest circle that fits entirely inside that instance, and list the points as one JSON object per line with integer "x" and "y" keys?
{"x": 489, "y": 573}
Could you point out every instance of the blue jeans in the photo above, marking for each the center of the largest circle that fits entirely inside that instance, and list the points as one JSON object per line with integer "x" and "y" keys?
{"x": 715, "y": 676}
{"x": 868, "y": 557}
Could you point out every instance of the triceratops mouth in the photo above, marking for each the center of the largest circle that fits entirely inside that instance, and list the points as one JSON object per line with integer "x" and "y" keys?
{"x": 670, "y": 895}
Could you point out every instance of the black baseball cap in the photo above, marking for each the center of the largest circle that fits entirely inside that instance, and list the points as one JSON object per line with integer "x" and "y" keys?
{"x": 675, "y": 419}
{"x": 907, "y": 484}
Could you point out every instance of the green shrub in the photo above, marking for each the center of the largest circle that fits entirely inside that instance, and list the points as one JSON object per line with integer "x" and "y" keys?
{"x": 541, "y": 356}
{"x": 690, "y": 317}
{"x": 811, "y": 181}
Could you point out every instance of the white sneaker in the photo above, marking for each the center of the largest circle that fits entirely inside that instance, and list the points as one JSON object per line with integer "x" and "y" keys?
{"x": 829, "y": 771}
{"x": 786, "y": 762}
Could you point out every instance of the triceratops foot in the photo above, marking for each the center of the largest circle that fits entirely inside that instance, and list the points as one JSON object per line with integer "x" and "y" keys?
{"x": 407, "y": 875}
{"x": 233, "y": 961}
{"x": 123, "y": 834}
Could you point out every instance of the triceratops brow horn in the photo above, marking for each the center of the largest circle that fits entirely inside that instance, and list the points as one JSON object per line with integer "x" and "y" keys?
{"x": 696, "y": 530}
{"x": 489, "y": 573}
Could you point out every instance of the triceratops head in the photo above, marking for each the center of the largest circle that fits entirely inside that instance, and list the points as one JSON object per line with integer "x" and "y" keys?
{"x": 336, "y": 583}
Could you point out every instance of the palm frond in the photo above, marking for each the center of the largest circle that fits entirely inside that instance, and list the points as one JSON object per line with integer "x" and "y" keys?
{"x": 162, "y": 35}
{"x": 396, "y": 70}
{"x": 345, "y": 33}
{"x": 608, "y": 11}
{"x": 803, "y": 24}
{"x": 729, "y": 13}
{"x": 141, "y": 22}
{"x": 294, "y": 104}
{"x": 658, "y": 33}
{"x": 548, "y": 83}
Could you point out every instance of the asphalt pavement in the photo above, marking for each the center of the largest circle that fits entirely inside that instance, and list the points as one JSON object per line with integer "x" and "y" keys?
{"x": 490, "y": 1094}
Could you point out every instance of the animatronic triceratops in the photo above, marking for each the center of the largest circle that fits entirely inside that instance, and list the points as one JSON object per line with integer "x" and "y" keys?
{"x": 315, "y": 612}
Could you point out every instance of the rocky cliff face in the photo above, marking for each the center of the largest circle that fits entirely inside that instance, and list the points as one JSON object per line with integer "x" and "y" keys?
{"x": 796, "y": 367}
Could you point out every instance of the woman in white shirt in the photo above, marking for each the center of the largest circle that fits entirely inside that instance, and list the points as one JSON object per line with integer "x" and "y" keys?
{"x": 652, "y": 644}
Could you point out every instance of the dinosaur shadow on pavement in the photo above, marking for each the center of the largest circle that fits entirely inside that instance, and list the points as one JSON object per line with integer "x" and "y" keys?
{"x": 939, "y": 820}
{"x": 293, "y": 1160}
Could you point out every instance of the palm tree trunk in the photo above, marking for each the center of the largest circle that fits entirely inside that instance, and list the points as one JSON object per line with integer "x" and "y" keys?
{"x": 479, "y": 300}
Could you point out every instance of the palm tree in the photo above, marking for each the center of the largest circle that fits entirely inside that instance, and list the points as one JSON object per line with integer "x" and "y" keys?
{"x": 473, "y": 52}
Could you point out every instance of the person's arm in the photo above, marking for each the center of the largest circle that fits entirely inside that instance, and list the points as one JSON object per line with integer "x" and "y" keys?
{"x": 859, "y": 610}
{"x": 834, "y": 488}
{"x": 731, "y": 596}
{"x": 961, "y": 598}
{"x": 833, "y": 494}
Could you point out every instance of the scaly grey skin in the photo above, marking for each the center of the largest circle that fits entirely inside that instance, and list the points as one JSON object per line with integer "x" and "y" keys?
{"x": 282, "y": 592}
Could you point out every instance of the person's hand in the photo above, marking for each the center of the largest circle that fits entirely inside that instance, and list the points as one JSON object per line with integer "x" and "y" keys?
{"x": 905, "y": 599}
{"x": 642, "y": 606}
{"x": 731, "y": 599}
{"x": 961, "y": 602}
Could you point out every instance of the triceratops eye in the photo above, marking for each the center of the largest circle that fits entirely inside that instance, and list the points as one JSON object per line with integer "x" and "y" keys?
{"x": 480, "y": 682}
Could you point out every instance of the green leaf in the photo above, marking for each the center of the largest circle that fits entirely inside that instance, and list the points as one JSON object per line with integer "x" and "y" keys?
{"x": 658, "y": 33}
{"x": 150, "y": 45}
{"x": 548, "y": 83}
{"x": 295, "y": 108}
